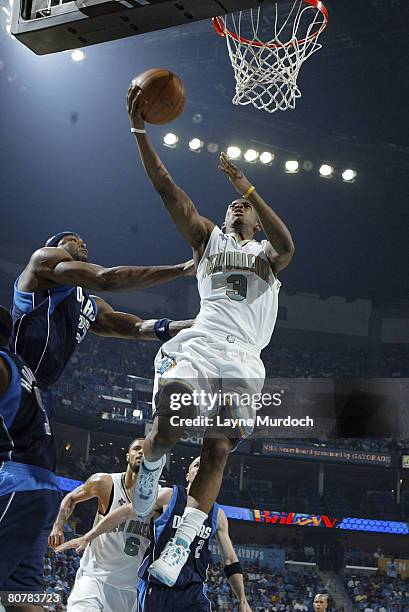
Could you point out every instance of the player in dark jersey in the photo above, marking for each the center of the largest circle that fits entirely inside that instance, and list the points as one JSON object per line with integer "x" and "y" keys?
{"x": 53, "y": 311}
{"x": 29, "y": 491}
{"x": 189, "y": 591}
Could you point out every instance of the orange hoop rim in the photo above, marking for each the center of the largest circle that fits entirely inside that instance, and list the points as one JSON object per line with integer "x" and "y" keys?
{"x": 221, "y": 29}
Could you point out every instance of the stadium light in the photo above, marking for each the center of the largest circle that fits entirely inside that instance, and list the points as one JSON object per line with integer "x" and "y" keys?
{"x": 326, "y": 171}
{"x": 233, "y": 152}
{"x": 291, "y": 166}
{"x": 266, "y": 158}
{"x": 251, "y": 156}
{"x": 170, "y": 140}
{"x": 196, "y": 145}
{"x": 348, "y": 175}
{"x": 77, "y": 56}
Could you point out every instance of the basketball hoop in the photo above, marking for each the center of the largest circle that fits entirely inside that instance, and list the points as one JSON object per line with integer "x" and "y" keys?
{"x": 266, "y": 71}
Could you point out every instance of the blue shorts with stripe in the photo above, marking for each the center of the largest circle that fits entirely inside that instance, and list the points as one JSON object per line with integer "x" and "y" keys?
{"x": 29, "y": 501}
{"x": 153, "y": 597}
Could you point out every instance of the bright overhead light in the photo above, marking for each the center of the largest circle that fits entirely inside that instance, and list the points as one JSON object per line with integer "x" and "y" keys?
{"x": 266, "y": 157}
{"x": 233, "y": 152}
{"x": 250, "y": 155}
{"x": 326, "y": 170}
{"x": 291, "y": 166}
{"x": 348, "y": 175}
{"x": 77, "y": 55}
{"x": 195, "y": 144}
{"x": 170, "y": 140}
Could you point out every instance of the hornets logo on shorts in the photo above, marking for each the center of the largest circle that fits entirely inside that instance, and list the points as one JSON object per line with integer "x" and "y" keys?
{"x": 165, "y": 364}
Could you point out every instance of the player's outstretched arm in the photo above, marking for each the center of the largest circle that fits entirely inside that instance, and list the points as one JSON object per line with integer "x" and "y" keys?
{"x": 110, "y": 323}
{"x": 232, "y": 566}
{"x": 193, "y": 227}
{"x": 281, "y": 247}
{"x": 97, "y": 485}
{"x": 108, "y": 523}
{"x": 51, "y": 266}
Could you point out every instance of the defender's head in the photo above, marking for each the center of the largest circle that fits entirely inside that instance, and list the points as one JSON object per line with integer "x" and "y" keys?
{"x": 192, "y": 470}
{"x": 135, "y": 453}
{"x": 6, "y": 325}
{"x": 241, "y": 216}
{"x": 320, "y": 602}
{"x": 72, "y": 243}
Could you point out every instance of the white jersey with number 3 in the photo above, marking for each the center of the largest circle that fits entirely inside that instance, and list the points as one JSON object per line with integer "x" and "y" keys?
{"x": 115, "y": 557}
{"x": 238, "y": 290}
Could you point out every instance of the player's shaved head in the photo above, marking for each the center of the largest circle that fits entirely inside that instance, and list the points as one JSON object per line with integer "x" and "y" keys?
{"x": 192, "y": 470}
{"x": 320, "y": 602}
{"x": 241, "y": 217}
{"x": 6, "y": 325}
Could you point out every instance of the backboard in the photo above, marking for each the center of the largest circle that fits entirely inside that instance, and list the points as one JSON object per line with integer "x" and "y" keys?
{"x": 49, "y": 26}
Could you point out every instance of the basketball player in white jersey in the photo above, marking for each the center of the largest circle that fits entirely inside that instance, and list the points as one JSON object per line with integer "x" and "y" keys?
{"x": 107, "y": 576}
{"x": 238, "y": 286}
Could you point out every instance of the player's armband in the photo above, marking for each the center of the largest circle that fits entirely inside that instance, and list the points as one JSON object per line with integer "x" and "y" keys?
{"x": 233, "y": 568}
{"x": 161, "y": 329}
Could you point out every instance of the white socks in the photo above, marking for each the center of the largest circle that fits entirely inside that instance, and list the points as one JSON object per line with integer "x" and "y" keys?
{"x": 189, "y": 527}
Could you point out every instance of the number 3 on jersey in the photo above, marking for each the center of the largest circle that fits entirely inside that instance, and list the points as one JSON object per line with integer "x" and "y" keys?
{"x": 239, "y": 287}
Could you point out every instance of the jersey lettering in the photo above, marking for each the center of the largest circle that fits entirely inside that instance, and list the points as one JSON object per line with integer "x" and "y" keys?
{"x": 87, "y": 315}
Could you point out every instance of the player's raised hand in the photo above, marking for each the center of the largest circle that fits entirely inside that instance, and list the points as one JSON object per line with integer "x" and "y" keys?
{"x": 79, "y": 544}
{"x": 56, "y": 537}
{"x": 135, "y": 105}
{"x": 236, "y": 176}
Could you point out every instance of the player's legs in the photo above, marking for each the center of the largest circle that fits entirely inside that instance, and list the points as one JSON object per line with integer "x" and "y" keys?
{"x": 86, "y": 594}
{"x": 206, "y": 486}
{"x": 157, "y": 597}
{"x": 26, "y": 521}
{"x": 27, "y": 518}
{"x": 158, "y": 442}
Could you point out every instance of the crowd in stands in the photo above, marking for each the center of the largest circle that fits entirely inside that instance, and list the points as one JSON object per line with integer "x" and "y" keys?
{"x": 267, "y": 590}
{"x": 378, "y": 593}
{"x": 59, "y": 574}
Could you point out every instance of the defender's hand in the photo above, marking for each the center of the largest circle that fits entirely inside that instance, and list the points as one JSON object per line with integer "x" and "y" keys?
{"x": 134, "y": 106}
{"x": 79, "y": 544}
{"x": 56, "y": 537}
{"x": 236, "y": 176}
{"x": 188, "y": 268}
{"x": 244, "y": 606}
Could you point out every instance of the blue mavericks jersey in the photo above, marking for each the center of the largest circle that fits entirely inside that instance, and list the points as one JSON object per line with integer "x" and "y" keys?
{"x": 25, "y": 434}
{"x": 164, "y": 528}
{"x": 47, "y": 327}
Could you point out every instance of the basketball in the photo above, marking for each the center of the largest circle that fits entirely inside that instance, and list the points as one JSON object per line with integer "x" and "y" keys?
{"x": 164, "y": 94}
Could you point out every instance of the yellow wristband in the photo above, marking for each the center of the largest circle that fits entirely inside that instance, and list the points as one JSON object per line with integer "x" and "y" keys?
{"x": 248, "y": 192}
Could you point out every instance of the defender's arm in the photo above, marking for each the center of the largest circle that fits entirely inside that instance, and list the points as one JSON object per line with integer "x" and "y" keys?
{"x": 231, "y": 561}
{"x": 110, "y": 323}
{"x": 54, "y": 266}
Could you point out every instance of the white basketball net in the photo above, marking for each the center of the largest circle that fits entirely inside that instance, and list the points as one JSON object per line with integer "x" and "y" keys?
{"x": 266, "y": 71}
